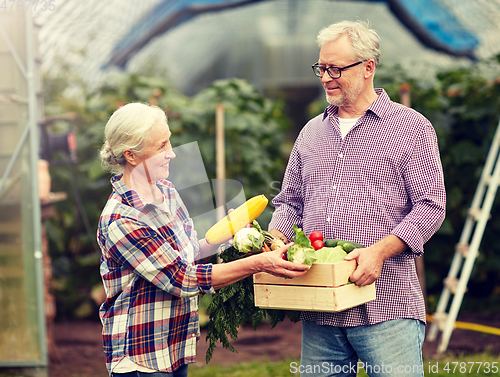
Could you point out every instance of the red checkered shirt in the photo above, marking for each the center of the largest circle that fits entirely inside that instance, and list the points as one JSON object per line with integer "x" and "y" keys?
{"x": 385, "y": 177}
{"x": 151, "y": 282}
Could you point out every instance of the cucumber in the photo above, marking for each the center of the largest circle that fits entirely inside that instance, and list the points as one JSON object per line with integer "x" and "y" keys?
{"x": 331, "y": 243}
{"x": 357, "y": 245}
{"x": 348, "y": 246}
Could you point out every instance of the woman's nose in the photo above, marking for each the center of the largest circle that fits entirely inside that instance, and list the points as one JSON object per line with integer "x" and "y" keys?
{"x": 170, "y": 154}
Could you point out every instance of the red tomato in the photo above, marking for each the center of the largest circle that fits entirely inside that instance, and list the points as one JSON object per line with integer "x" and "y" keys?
{"x": 284, "y": 257}
{"x": 318, "y": 244}
{"x": 316, "y": 235}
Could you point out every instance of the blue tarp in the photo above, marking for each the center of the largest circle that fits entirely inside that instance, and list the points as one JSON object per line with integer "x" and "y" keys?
{"x": 428, "y": 20}
{"x": 435, "y": 26}
{"x": 163, "y": 17}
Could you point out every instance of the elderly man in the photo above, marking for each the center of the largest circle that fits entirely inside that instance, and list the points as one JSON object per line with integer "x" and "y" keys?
{"x": 366, "y": 170}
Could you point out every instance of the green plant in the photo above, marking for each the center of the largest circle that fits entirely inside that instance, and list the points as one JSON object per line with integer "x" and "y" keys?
{"x": 254, "y": 129}
{"x": 464, "y": 107}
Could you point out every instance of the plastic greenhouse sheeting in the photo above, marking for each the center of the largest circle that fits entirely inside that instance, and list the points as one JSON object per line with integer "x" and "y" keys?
{"x": 428, "y": 20}
{"x": 264, "y": 42}
{"x": 161, "y": 18}
{"x": 435, "y": 26}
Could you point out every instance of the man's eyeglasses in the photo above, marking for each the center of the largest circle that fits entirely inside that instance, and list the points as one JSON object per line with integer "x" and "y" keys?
{"x": 334, "y": 72}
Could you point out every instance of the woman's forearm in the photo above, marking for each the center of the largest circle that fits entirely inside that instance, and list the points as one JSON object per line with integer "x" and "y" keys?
{"x": 228, "y": 273}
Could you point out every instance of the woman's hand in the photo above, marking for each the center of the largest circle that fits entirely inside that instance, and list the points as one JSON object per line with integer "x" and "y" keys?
{"x": 273, "y": 263}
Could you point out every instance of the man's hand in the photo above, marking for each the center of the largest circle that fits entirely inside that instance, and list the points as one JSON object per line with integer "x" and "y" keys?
{"x": 370, "y": 259}
{"x": 277, "y": 233}
{"x": 369, "y": 265}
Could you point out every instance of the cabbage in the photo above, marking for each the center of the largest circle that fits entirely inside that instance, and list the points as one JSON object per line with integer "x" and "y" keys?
{"x": 330, "y": 254}
{"x": 248, "y": 240}
{"x": 302, "y": 251}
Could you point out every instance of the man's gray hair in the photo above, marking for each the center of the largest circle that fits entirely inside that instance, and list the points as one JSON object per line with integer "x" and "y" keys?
{"x": 364, "y": 40}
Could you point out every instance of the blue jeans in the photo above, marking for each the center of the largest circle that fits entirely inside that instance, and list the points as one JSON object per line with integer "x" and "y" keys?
{"x": 180, "y": 372}
{"x": 391, "y": 348}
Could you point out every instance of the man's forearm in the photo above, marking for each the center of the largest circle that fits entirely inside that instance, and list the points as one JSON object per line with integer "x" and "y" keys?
{"x": 389, "y": 246}
{"x": 277, "y": 233}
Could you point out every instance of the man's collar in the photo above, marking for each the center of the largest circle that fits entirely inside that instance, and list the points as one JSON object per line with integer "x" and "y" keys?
{"x": 377, "y": 107}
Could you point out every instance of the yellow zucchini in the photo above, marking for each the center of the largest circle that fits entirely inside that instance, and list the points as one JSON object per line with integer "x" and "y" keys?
{"x": 236, "y": 220}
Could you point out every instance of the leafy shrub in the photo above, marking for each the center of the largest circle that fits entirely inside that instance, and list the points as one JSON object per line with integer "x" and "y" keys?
{"x": 255, "y": 128}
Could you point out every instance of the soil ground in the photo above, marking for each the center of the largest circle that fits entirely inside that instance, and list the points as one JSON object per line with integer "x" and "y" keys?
{"x": 78, "y": 348}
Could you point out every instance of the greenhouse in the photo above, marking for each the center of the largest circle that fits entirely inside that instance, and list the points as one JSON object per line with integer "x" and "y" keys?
{"x": 243, "y": 65}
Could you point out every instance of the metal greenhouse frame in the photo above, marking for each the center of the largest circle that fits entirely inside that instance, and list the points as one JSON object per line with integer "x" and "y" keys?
{"x": 22, "y": 313}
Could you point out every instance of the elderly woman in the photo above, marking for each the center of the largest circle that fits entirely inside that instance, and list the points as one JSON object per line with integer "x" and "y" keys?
{"x": 149, "y": 248}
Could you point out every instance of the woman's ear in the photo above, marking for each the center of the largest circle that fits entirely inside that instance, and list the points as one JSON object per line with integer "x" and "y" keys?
{"x": 130, "y": 157}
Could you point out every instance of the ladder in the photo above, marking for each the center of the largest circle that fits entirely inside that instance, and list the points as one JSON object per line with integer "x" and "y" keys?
{"x": 467, "y": 249}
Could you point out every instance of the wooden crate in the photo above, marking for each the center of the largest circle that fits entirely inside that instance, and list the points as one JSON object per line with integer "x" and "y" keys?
{"x": 325, "y": 287}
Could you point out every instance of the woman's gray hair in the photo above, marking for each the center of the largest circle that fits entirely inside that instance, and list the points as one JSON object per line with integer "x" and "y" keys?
{"x": 364, "y": 40}
{"x": 128, "y": 128}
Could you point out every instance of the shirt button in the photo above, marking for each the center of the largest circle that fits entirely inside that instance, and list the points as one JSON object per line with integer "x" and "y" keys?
{"x": 328, "y": 219}
{"x": 334, "y": 187}
{"x": 341, "y": 155}
{"x": 193, "y": 335}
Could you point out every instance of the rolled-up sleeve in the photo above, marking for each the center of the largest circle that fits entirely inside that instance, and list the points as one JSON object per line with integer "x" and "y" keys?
{"x": 425, "y": 186}
{"x": 289, "y": 201}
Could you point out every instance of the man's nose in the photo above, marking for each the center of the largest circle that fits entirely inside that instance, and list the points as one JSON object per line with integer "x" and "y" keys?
{"x": 326, "y": 77}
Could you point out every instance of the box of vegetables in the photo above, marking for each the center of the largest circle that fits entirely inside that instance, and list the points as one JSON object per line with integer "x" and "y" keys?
{"x": 325, "y": 287}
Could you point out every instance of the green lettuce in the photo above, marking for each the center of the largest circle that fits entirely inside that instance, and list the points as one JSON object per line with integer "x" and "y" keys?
{"x": 330, "y": 254}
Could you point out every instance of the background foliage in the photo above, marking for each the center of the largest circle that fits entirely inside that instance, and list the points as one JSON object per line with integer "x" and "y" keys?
{"x": 255, "y": 128}
{"x": 463, "y": 105}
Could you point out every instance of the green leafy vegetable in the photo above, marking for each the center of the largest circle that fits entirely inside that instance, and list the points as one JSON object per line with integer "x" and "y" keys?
{"x": 248, "y": 240}
{"x": 233, "y": 306}
{"x": 302, "y": 251}
{"x": 330, "y": 254}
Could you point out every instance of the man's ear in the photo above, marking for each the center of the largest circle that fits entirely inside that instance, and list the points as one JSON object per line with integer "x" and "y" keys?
{"x": 369, "y": 68}
{"x": 130, "y": 156}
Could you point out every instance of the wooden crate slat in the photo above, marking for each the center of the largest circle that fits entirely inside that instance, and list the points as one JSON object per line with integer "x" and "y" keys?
{"x": 319, "y": 275}
{"x": 273, "y": 296}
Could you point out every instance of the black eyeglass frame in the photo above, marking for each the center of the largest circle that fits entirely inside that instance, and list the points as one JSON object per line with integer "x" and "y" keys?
{"x": 327, "y": 69}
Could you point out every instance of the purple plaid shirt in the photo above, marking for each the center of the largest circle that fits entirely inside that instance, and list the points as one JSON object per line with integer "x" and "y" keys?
{"x": 385, "y": 177}
{"x": 152, "y": 285}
